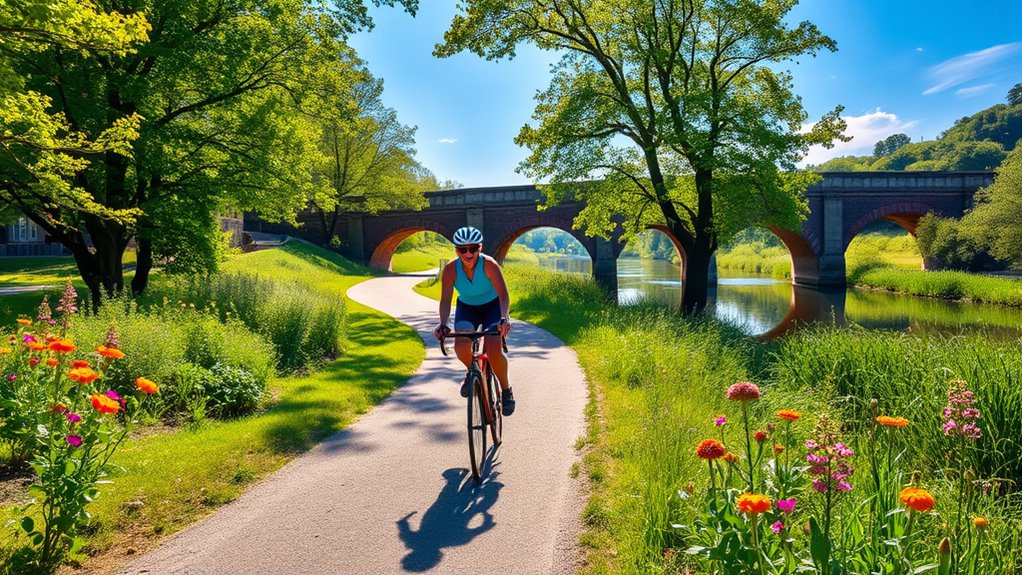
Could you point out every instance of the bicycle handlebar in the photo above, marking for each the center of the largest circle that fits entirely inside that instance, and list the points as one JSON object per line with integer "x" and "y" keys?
{"x": 471, "y": 335}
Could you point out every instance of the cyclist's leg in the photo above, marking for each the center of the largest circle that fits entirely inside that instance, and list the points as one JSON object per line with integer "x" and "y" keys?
{"x": 494, "y": 351}
{"x": 466, "y": 318}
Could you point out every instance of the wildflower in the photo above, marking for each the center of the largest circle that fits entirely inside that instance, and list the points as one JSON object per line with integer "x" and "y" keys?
{"x": 708, "y": 449}
{"x": 58, "y": 408}
{"x": 32, "y": 362}
{"x": 111, "y": 352}
{"x": 147, "y": 386}
{"x": 760, "y": 436}
{"x": 5, "y": 350}
{"x": 959, "y": 414}
{"x": 50, "y": 362}
{"x": 786, "y": 505}
{"x": 888, "y": 421}
{"x": 113, "y": 395}
{"x": 980, "y": 523}
{"x": 22, "y": 321}
{"x": 74, "y": 440}
{"x": 829, "y": 458}
{"x": 35, "y": 345}
{"x": 753, "y": 503}
{"x": 43, "y": 314}
{"x": 12, "y": 377}
{"x": 778, "y": 448}
{"x": 68, "y": 301}
{"x": 789, "y": 414}
{"x": 104, "y": 404}
{"x": 776, "y": 526}
{"x": 73, "y": 417}
{"x": 62, "y": 345}
{"x": 917, "y": 498}
{"x": 720, "y": 421}
{"x": 79, "y": 363}
{"x": 83, "y": 375}
{"x": 28, "y": 337}
{"x": 730, "y": 457}
{"x": 690, "y": 488}
{"x": 743, "y": 391}
{"x": 112, "y": 340}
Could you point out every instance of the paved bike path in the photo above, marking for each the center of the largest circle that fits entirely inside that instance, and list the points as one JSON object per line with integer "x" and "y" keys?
{"x": 392, "y": 493}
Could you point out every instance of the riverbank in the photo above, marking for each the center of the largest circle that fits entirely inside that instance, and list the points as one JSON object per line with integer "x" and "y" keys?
{"x": 649, "y": 412}
{"x": 949, "y": 285}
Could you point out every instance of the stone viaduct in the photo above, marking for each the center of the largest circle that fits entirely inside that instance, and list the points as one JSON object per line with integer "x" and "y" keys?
{"x": 840, "y": 206}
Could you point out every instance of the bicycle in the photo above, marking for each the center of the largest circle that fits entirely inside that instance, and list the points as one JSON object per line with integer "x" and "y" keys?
{"x": 484, "y": 402}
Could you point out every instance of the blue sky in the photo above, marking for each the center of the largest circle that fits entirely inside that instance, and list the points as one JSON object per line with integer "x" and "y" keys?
{"x": 903, "y": 66}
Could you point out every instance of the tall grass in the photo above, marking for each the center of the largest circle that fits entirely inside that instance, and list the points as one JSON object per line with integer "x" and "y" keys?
{"x": 304, "y": 326}
{"x": 939, "y": 284}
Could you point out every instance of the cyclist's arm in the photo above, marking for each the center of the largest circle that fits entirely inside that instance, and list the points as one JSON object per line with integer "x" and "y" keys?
{"x": 446, "y": 292}
{"x": 497, "y": 279}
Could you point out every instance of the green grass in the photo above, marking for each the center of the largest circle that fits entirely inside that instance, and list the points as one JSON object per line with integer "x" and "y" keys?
{"x": 181, "y": 475}
{"x": 48, "y": 270}
{"x": 425, "y": 258}
{"x": 939, "y": 284}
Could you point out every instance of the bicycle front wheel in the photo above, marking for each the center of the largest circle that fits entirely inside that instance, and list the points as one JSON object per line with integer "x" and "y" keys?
{"x": 476, "y": 425}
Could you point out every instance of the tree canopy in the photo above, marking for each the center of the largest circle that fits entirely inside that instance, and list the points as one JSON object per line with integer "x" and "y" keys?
{"x": 673, "y": 114}
{"x": 994, "y": 221}
{"x": 888, "y": 145}
{"x": 213, "y": 102}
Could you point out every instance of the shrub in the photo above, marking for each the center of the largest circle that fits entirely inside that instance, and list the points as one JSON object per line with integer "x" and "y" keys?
{"x": 231, "y": 390}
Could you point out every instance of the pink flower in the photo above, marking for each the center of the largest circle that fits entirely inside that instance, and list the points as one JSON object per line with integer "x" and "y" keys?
{"x": 786, "y": 505}
{"x": 776, "y": 526}
{"x": 820, "y": 485}
{"x": 743, "y": 391}
{"x": 720, "y": 421}
{"x": 74, "y": 440}
{"x": 73, "y": 417}
{"x": 844, "y": 486}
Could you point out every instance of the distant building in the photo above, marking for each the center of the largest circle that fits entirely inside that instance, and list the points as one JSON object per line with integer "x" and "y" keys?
{"x": 24, "y": 237}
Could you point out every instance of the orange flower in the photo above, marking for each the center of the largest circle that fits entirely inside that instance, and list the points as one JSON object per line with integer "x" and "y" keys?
{"x": 62, "y": 345}
{"x": 35, "y": 345}
{"x": 111, "y": 352}
{"x": 5, "y": 350}
{"x": 753, "y": 503}
{"x": 104, "y": 404}
{"x": 710, "y": 449}
{"x": 146, "y": 386}
{"x": 79, "y": 363}
{"x": 778, "y": 448}
{"x": 730, "y": 457}
{"x": 52, "y": 362}
{"x": 789, "y": 414}
{"x": 23, "y": 321}
{"x": 917, "y": 498}
{"x": 892, "y": 421}
{"x": 981, "y": 523}
{"x": 83, "y": 375}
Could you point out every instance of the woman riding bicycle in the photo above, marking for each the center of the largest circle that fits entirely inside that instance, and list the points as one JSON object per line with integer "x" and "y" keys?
{"x": 482, "y": 301}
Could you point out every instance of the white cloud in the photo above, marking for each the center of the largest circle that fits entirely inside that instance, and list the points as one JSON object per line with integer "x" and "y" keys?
{"x": 967, "y": 67}
{"x": 973, "y": 90}
{"x": 865, "y": 130}
{"x": 920, "y": 49}
{"x": 447, "y": 141}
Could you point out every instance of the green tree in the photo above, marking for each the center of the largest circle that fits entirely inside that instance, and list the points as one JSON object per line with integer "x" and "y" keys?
{"x": 218, "y": 92}
{"x": 671, "y": 113}
{"x": 889, "y": 144}
{"x": 1015, "y": 95}
{"x": 845, "y": 164}
{"x": 995, "y": 223}
{"x": 368, "y": 160}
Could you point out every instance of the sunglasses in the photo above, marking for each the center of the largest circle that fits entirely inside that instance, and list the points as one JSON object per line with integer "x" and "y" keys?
{"x": 468, "y": 249}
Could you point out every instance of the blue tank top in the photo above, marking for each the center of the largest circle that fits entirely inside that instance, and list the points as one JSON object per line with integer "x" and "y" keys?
{"x": 479, "y": 290}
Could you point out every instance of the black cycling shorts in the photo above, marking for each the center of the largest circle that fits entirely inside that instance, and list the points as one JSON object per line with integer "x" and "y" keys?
{"x": 470, "y": 317}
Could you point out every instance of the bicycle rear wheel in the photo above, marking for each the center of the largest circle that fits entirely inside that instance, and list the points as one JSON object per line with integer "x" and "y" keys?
{"x": 476, "y": 425}
{"x": 497, "y": 423}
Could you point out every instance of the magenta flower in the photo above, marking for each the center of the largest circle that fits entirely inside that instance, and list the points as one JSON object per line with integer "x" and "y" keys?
{"x": 720, "y": 421}
{"x": 73, "y": 417}
{"x": 786, "y": 505}
{"x": 28, "y": 337}
{"x": 743, "y": 391}
{"x": 112, "y": 395}
{"x": 74, "y": 440}
{"x": 776, "y": 526}
{"x": 959, "y": 415}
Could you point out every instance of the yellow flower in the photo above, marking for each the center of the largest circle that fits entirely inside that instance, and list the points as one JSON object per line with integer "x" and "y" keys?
{"x": 753, "y": 503}
{"x": 981, "y": 523}
{"x": 22, "y": 321}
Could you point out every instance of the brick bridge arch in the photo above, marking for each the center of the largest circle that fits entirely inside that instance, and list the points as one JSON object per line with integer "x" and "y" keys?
{"x": 841, "y": 204}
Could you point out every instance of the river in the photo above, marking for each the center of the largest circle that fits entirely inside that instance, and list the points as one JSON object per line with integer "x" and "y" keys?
{"x": 764, "y": 306}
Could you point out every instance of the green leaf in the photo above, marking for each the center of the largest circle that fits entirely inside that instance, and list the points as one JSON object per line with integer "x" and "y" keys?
{"x": 27, "y": 524}
{"x": 819, "y": 544}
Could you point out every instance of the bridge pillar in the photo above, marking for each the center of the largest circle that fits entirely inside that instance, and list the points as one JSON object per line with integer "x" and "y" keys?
{"x": 605, "y": 266}
{"x": 832, "y": 260}
{"x": 355, "y": 248}
{"x": 474, "y": 218}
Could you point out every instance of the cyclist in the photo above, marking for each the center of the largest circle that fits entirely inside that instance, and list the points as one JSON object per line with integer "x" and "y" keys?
{"x": 482, "y": 301}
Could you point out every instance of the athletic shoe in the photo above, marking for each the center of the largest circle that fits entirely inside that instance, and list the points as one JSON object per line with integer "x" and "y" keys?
{"x": 466, "y": 387}
{"x": 507, "y": 402}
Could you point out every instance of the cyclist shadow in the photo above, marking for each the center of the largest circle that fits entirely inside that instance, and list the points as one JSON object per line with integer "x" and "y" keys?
{"x": 446, "y": 522}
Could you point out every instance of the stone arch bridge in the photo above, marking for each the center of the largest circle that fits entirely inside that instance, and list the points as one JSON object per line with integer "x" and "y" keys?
{"x": 840, "y": 206}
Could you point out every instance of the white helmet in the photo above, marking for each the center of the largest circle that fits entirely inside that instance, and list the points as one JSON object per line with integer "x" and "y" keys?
{"x": 467, "y": 235}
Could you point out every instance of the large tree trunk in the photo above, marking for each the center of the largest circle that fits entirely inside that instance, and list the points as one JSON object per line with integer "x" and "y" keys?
{"x": 143, "y": 265}
{"x": 695, "y": 287}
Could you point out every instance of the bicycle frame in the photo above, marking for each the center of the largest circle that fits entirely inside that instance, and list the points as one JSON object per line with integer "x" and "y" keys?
{"x": 480, "y": 363}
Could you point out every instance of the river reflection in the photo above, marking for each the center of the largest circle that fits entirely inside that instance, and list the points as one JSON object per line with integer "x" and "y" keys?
{"x": 769, "y": 307}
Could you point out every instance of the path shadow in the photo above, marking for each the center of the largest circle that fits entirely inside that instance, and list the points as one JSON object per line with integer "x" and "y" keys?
{"x": 460, "y": 513}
